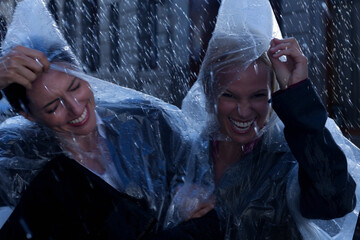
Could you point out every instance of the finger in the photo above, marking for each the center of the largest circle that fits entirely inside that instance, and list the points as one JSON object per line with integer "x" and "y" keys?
{"x": 292, "y": 52}
{"x": 27, "y": 74}
{"x": 281, "y": 70}
{"x": 279, "y": 53}
{"x": 17, "y": 74}
{"x": 17, "y": 62}
{"x": 272, "y": 43}
{"x": 292, "y": 41}
{"x": 12, "y": 77}
{"x": 282, "y": 46}
{"x": 201, "y": 212}
{"x": 276, "y": 41}
{"x": 38, "y": 56}
{"x": 42, "y": 59}
{"x": 284, "y": 40}
{"x": 23, "y": 65}
{"x": 23, "y": 81}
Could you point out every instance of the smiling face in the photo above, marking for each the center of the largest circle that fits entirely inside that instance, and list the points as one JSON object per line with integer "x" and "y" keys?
{"x": 63, "y": 103}
{"x": 244, "y": 104}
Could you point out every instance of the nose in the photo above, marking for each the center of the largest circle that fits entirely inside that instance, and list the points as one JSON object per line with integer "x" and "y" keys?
{"x": 72, "y": 105}
{"x": 243, "y": 109}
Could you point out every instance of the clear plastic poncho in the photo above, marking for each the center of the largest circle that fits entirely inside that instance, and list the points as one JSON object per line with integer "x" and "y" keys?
{"x": 148, "y": 141}
{"x": 261, "y": 191}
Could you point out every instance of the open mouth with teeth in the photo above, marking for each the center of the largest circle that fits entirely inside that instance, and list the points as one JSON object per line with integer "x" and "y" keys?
{"x": 241, "y": 127}
{"x": 80, "y": 120}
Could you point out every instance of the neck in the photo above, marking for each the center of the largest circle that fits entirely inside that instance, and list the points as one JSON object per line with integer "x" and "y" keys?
{"x": 85, "y": 149}
{"x": 82, "y": 142}
{"x": 226, "y": 155}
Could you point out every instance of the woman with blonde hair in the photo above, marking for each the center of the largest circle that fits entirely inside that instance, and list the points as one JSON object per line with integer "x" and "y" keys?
{"x": 277, "y": 168}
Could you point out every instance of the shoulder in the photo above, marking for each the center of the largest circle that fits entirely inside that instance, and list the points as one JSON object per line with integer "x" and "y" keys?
{"x": 156, "y": 113}
{"x": 19, "y": 137}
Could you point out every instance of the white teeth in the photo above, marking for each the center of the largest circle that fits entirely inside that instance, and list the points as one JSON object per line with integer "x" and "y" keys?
{"x": 80, "y": 119}
{"x": 241, "y": 125}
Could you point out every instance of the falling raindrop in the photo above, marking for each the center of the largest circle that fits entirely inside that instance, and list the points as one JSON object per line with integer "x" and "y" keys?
{"x": 256, "y": 68}
{"x": 26, "y": 228}
{"x": 256, "y": 128}
{"x": 238, "y": 109}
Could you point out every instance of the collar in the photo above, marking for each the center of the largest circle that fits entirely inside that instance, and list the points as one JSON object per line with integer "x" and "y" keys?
{"x": 247, "y": 148}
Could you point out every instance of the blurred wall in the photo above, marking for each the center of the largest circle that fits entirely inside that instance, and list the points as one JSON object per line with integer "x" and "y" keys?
{"x": 141, "y": 44}
{"x": 328, "y": 32}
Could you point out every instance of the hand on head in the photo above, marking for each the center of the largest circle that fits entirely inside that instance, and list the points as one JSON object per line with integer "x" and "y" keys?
{"x": 292, "y": 71}
{"x": 22, "y": 65}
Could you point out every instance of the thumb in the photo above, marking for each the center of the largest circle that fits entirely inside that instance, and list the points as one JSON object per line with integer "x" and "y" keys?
{"x": 281, "y": 71}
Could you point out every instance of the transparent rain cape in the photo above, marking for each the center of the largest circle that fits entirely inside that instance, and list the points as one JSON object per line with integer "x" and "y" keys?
{"x": 149, "y": 140}
{"x": 242, "y": 34}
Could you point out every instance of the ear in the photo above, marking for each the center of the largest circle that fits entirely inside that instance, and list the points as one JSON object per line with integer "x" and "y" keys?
{"x": 27, "y": 116}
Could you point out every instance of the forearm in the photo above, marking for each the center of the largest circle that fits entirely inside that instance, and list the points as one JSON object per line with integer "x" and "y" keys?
{"x": 327, "y": 190}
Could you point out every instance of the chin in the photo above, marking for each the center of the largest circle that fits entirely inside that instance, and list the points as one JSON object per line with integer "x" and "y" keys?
{"x": 243, "y": 140}
{"x": 87, "y": 130}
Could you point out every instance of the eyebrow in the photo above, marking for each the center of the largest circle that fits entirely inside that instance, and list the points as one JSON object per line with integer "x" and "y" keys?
{"x": 57, "y": 99}
{"x": 261, "y": 90}
{"x": 70, "y": 86}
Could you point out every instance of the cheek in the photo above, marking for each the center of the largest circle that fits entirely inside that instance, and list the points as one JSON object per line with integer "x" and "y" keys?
{"x": 225, "y": 107}
{"x": 88, "y": 91}
{"x": 81, "y": 95}
{"x": 56, "y": 119}
{"x": 84, "y": 93}
{"x": 262, "y": 108}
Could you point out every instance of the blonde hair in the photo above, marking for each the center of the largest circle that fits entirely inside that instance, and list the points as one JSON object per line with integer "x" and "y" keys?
{"x": 264, "y": 58}
{"x": 222, "y": 54}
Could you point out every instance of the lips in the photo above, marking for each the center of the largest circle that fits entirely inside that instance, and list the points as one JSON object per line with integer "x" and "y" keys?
{"x": 241, "y": 127}
{"x": 80, "y": 120}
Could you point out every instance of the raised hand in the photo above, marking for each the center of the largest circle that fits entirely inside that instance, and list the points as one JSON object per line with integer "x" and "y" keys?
{"x": 22, "y": 65}
{"x": 295, "y": 68}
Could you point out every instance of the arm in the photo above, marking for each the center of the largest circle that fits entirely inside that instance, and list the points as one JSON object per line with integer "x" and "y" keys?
{"x": 327, "y": 190}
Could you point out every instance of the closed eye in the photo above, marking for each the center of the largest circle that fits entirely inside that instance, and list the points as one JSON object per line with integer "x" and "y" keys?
{"x": 259, "y": 95}
{"x": 228, "y": 95}
{"x": 75, "y": 88}
{"x": 52, "y": 110}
